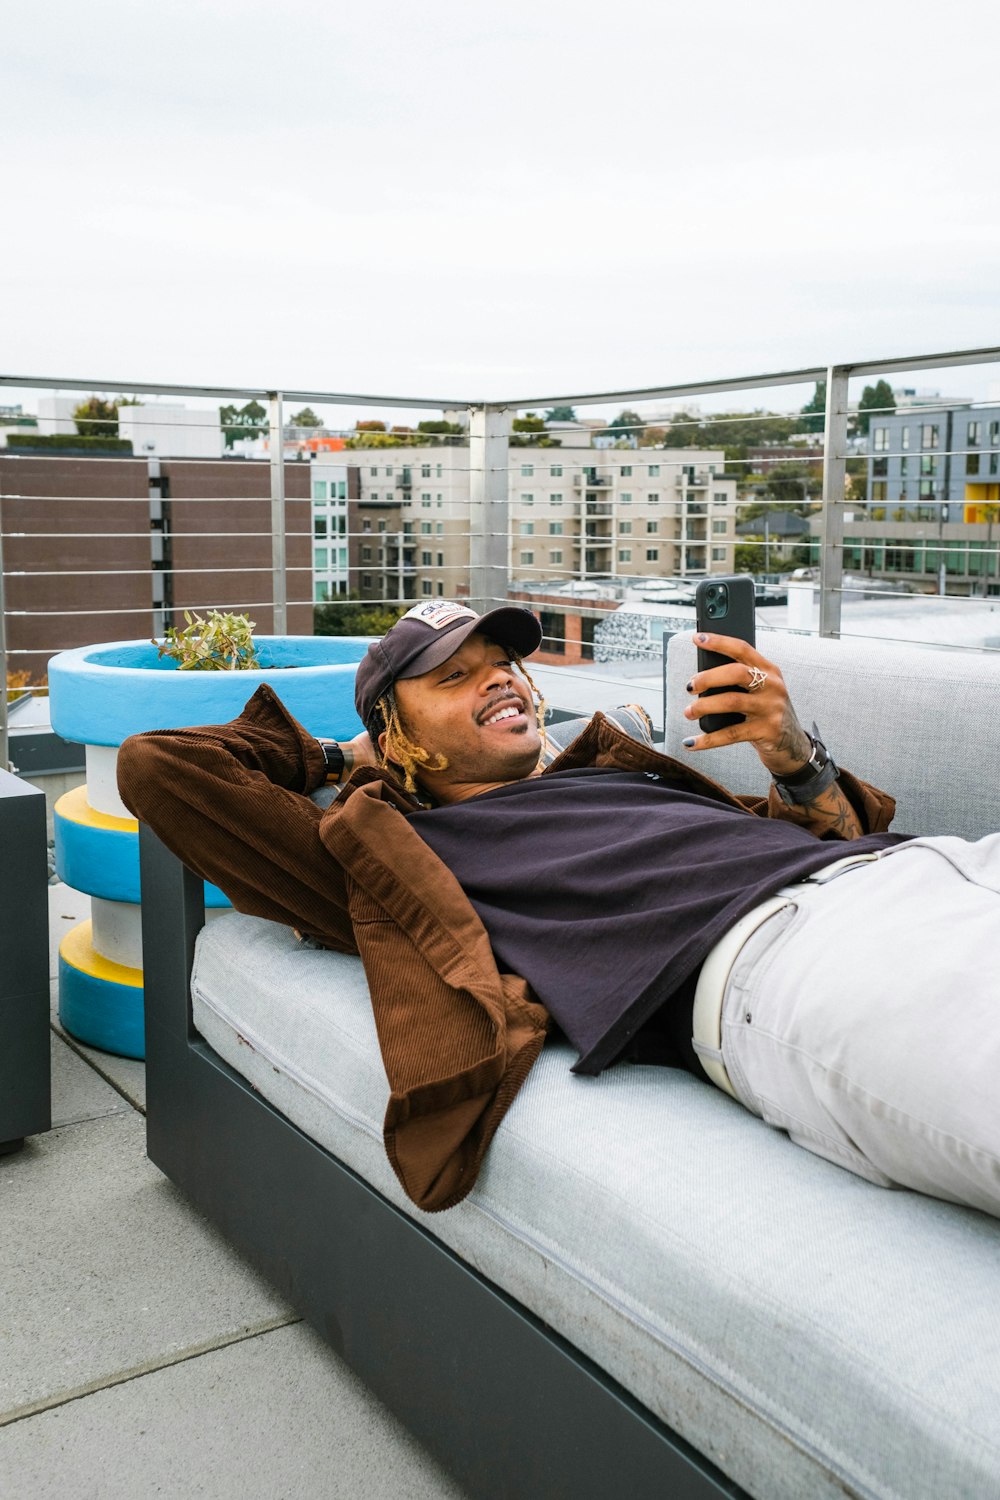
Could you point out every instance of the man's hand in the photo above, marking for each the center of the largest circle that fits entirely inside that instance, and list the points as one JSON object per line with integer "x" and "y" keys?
{"x": 770, "y": 724}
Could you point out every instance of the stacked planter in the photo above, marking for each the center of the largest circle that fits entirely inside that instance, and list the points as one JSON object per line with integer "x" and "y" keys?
{"x": 99, "y": 696}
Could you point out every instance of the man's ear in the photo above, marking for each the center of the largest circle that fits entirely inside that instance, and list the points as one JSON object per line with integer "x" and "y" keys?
{"x": 381, "y": 744}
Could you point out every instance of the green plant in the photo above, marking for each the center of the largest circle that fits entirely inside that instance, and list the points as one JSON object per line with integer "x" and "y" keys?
{"x": 222, "y": 643}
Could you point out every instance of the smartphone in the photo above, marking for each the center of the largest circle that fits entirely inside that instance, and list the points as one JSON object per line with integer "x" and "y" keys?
{"x": 724, "y": 606}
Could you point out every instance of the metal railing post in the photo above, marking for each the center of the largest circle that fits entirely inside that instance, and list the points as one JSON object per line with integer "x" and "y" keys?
{"x": 4, "y": 759}
{"x": 831, "y": 555}
{"x": 279, "y": 542}
{"x": 489, "y": 522}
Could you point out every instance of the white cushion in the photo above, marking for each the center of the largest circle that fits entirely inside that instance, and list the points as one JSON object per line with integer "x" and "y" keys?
{"x": 809, "y": 1332}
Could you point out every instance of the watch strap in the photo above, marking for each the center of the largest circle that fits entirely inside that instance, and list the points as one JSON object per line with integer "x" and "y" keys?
{"x": 819, "y": 772}
{"x": 335, "y": 760}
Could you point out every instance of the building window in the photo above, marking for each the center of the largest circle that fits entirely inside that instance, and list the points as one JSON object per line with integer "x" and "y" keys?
{"x": 929, "y": 435}
{"x": 927, "y": 489}
{"x": 425, "y": 559}
{"x": 624, "y": 526}
{"x": 652, "y": 554}
{"x": 880, "y": 439}
{"x": 880, "y": 467}
{"x": 366, "y": 580}
{"x": 902, "y": 494}
{"x": 527, "y": 499}
{"x": 373, "y": 473}
{"x": 388, "y": 471}
{"x": 654, "y": 498}
{"x": 653, "y": 471}
{"x": 425, "y": 528}
{"x": 904, "y": 465}
{"x": 718, "y": 554}
{"x": 973, "y": 434}
{"x": 440, "y": 501}
{"x": 626, "y": 471}
{"x": 425, "y": 499}
{"x": 556, "y": 471}
{"x": 928, "y": 465}
{"x": 381, "y": 526}
{"x": 425, "y": 471}
{"x": 555, "y": 557}
{"x": 366, "y": 524}
{"x": 527, "y": 558}
{"x": 555, "y": 499}
{"x": 440, "y": 588}
{"x": 527, "y": 528}
{"x": 527, "y": 470}
{"x": 319, "y": 525}
{"x": 440, "y": 559}
{"x": 320, "y": 558}
{"x": 438, "y": 471}
{"x": 972, "y": 463}
{"x": 319, "y": 489}
{"x": 900, "y": 560}
{"x": 425, "y": 587}
{"x": 626, "y": 497}
{"x": 555, "y": 528}
{"x": 904, "y": 438}
{"x": 878, "y": 492}
{"x": 624, "y": 554}
{"x": 719, "y": 528}
{"x": 366, "y": 554}
{"x": 994, "y": 434}
{"x": 719, "y": 497}
{"x": 652, "y": 526}
{"x": 439, "y": 528}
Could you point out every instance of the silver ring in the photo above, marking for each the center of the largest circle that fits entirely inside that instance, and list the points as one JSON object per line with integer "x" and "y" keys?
{"x": 757, "y": 679}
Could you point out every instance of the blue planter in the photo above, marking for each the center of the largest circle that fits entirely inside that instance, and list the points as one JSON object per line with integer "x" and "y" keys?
{"x": 99, "y": 696}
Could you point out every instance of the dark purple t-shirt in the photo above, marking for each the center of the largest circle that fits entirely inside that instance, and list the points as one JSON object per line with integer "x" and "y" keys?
{"x": 606, "y": 889}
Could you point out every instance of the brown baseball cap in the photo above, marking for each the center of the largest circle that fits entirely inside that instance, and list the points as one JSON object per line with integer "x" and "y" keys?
{"x": 427, "y": 635}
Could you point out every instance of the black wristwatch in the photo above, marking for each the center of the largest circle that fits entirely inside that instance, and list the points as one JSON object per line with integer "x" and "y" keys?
{"x": 334, "y": 757}
{"x": 818, "y": 773}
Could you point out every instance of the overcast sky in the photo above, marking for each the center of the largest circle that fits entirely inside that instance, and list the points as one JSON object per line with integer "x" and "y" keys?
{"x": 445, "y": 199}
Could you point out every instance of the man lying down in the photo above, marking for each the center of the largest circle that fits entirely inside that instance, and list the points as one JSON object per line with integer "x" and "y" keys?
{"x": 839, "y": 980}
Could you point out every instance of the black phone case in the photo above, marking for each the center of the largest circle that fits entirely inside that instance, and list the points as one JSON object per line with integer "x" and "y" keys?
{"x": 738, "y": 621}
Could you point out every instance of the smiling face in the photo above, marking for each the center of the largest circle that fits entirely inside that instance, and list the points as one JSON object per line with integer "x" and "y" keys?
{"x": 476, "y": 712}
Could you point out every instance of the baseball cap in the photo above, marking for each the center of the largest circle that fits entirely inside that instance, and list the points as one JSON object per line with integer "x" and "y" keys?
{"x": 427, "y": 635}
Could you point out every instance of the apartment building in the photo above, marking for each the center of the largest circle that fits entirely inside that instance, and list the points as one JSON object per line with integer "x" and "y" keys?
{"x": 575, "y": 513}
{"x": 116, "y": 548}
{"x": 933, "y": 500}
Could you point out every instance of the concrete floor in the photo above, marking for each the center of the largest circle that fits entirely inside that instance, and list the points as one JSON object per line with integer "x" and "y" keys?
{"x": 139, "y": 1355}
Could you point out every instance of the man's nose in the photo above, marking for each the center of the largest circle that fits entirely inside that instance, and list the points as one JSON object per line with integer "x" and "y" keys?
{"x": 495, "y": 675}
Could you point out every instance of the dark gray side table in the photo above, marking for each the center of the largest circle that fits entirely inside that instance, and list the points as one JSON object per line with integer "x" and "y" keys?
{"x": 25, "y": 1089}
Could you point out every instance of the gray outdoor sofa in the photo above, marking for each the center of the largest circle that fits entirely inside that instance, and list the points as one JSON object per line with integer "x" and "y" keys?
{"x": 649, "y": 1292}
{"x": 25, "y": 1090}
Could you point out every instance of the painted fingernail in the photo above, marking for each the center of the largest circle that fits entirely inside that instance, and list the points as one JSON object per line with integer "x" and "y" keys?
{"x": 690, "y": 687}
{"x": 703, "y": 638}
{"x": 688, "y": 742}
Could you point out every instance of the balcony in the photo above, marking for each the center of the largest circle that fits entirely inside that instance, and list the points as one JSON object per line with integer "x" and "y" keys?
{"x": 189, "y": 1320}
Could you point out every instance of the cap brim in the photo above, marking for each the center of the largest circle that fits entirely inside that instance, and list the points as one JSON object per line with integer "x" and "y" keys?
{"x": 516, "y": 630}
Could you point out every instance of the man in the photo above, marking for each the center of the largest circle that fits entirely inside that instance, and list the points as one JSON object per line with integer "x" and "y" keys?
{"x": 641, "y": 907}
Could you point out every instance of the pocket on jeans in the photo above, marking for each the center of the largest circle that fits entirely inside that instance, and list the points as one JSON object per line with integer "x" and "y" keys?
{"x": 836, "y": 1148}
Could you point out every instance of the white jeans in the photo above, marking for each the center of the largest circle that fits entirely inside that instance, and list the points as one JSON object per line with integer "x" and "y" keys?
{"x": 864, "y": 1019}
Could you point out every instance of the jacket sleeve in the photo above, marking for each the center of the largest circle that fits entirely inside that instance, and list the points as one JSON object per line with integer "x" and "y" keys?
{"x": 457, "y": 1038}
{"x": 875, "y": 808}
{"x": 231, "y": 801}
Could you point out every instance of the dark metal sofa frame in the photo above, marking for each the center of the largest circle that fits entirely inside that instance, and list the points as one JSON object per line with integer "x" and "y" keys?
{"x": 25, "y": 1091}
{"x": 506, "y": 1404}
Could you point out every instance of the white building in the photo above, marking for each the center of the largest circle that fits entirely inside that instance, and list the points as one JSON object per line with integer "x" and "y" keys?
{"x": 330, "y": 547}
{"x": 171, "y": 431}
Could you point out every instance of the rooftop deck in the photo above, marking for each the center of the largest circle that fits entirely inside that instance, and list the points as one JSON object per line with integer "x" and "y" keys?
{"x": 141, "y": 1356}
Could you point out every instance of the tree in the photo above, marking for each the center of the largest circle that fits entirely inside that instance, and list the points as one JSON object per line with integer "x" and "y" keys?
{"x": 814, "y": 410}
{"x": 96, "y": 418}
{"x": 450, "y": 432}
{"x": 243, "y": 422}
{"x": 560, "y": 414}
{"x": 874, "y": 398}
{"x": 305, "y": 418}
{"x": 341, "y": 617}
{"x": 627, "y": 424}
{"x": 529, "y": 423}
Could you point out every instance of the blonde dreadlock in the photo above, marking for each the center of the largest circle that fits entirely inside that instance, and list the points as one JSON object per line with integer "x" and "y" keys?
{"x": 411, "y": 758}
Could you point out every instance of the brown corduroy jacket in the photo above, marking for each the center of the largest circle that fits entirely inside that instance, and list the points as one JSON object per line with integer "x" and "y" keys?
{"x": 457, "y": 1037}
